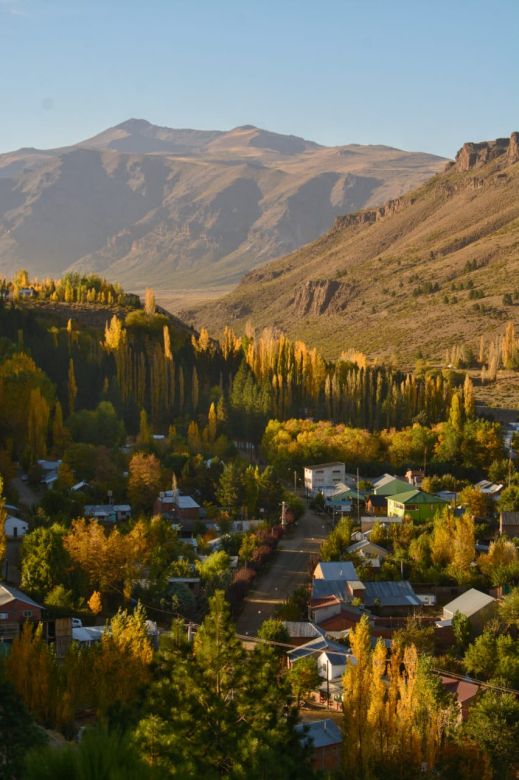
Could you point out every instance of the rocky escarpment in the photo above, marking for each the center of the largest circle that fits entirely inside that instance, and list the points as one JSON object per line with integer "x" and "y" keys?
{"x": 474, "y": 155}
{"x": 369, "y": 216}
{"x": 321, "y": 296}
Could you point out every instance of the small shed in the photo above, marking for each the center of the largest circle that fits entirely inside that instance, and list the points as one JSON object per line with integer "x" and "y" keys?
{"x": 479, "y": 607}
{"x": 325, "y": 738}
{"x": 14, "y": 528}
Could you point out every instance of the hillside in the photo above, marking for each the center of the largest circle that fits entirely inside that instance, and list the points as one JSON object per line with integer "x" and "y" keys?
{"x": 145, "y": 205}
{"x": 425, "y": 271}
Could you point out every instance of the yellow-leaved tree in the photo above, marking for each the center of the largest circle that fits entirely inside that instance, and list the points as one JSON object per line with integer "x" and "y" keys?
{"x": 122, "y": 665}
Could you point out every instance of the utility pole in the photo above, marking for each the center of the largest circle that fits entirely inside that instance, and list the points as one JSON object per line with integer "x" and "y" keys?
{"x": 295, "y": 481}
{"x": 283, "y": 517}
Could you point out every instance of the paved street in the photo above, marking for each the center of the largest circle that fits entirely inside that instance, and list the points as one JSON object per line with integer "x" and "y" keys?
{"x": 288, "y": 570}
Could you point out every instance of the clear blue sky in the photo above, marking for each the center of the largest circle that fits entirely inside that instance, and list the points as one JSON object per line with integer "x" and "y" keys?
{"x": 417, "y": 74}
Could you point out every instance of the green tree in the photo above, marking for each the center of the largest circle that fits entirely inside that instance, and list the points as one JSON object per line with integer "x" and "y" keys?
{"x": 44, "y": 561}
{"x": 18, "y": 733}
{"x": 215, "y": 571}
{"x": 303, "y": 678}
{"x": 216, "y": 710}
{"x": 100, "y": 754}
{"x": 493, "y": 725}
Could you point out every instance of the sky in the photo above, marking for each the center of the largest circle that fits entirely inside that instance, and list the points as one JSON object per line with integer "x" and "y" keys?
{"x": 422, "y": 75}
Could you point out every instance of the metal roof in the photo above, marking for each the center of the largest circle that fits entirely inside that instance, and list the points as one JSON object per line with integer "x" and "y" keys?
{"x": 416, "y": 497}
{"x": 324, "y": 466}
{"x": 8, "y": 593}
{"x": 320, "y": 733}
{"x": 469, "y": 602}
{"x": 315, "y": 647}
{"x": 391, "y": 486}
{"x": 391, "y": 594}
{"x": 335, "y": 570}
{"x": 322, "y": 589}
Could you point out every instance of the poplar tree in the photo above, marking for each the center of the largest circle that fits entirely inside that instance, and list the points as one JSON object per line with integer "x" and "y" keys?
{"x": 72, "y": 387}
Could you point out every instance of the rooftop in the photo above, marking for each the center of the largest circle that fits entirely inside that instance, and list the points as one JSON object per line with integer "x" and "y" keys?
{"x": 320, "y": 733}
{"x": 324, "y": 466}
{"x": 8, "y": 593}
{"x": 416, "y": 496}
{"x": 391, "y": 594}
{"x": 469, "y": 602}
{"x": 335, "y": 570}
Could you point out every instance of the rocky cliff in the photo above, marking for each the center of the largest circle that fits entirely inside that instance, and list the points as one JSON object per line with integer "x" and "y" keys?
{"x": 474, "y": 155}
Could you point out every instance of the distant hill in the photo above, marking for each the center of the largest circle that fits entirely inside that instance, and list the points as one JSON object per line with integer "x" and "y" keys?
{"x": 433, "y": 268}
{"x": 144, "y": 204}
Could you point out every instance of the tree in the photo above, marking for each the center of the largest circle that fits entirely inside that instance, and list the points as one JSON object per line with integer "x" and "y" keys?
{"x": 59, "y": 433}
{"x": 144, "y": 481}
{"x": 272, "y": 630}
{"x": 216, "y": 710}
{"x": 3, "y": 516}
{"x": 215, "y": 571}
{"x": 100, "y": 753}
{"x": 493, "y": 724}
{"x": 122, "y": 667}
{"x": 462, "y": 630}
{"x": 509, "y": 609}
{"x": 149, "y": 302}
{"x": 479, "y": 504}
{"x": 509, "y": 499}
{"x": 30, "y": 669}
{"x": 95, "y": 603}
{"x": 144, "y": 437}
{"x": 72, "y": 387}
{"x": 44, "y": 561}
{"x": 303, "y": 678}
{"x": 229, "y": 490}
{"x": 18, "y": 733}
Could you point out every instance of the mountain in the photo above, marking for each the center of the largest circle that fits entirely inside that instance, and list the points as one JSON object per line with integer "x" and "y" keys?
{"x": 150, "y": 205}
{"x": 434, "y": 268}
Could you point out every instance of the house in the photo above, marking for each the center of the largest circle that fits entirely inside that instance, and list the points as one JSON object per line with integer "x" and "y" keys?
{"x": 15, "y": 609}
{"x": 492, "y": 489}
{"x": 328, "y": 597}
{"x": 464, "y": 691}
{"x": 388, "y": 485}
{"x": 14, "y": 528}
{"x": 108, "y": 513}
{"x": 324, "y": 475}
{"x": 509, "y": 524}
{"x": 27, "y": 292}
{"x": 367, "y": 523}
{"x": 391, "y": 598}
{"x": 415, "y": 477}
{"x": 50, "y": 469}
{"x": 479, "y": 607}
{"x": 335, "y": 570}
{"x": 325, "y": 738}
{"x": 182, "y": 509}
{"x": 301, "y": 631}
{"x": 415, "y": 504}
{"x": 314, "y": 648}
{"x": 331, "y": 665}
{"x": 372, "y": 553}
{"x": 376, "y": 505}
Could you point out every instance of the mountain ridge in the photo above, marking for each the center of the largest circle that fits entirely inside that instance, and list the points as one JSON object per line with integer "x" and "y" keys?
{"x": 150, "y": 205}
{"x": 420, "y": 273}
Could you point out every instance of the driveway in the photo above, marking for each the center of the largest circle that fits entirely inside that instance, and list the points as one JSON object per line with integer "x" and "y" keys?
{"x": 287, "y": 571}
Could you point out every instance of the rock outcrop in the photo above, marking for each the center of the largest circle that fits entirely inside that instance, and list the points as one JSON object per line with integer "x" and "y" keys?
{"x": 369, "y": 216}
{"x": 473, "y": 155}
{"x": 320, "y": 296}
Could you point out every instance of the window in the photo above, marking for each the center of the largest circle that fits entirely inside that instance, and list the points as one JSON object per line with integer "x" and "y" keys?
{"x": 27, "y": 613}
{"x": 4, "y": 616}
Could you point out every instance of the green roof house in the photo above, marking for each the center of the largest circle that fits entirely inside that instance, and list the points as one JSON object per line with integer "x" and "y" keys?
{"x": 414, "y": 503}
{"x": 391, "y": 487}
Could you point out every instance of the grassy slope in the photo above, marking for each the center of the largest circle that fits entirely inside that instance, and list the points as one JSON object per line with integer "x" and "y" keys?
{"x": 453, "y": 218}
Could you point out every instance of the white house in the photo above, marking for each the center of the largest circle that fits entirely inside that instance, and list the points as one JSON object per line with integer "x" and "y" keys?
{"x": 331, "y": 664}
{"x": 324, "y": 476}
{"x": 14, "y": 527}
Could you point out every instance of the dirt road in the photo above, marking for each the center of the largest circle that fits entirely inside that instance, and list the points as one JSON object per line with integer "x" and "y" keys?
{"x": 288, "y": 570}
